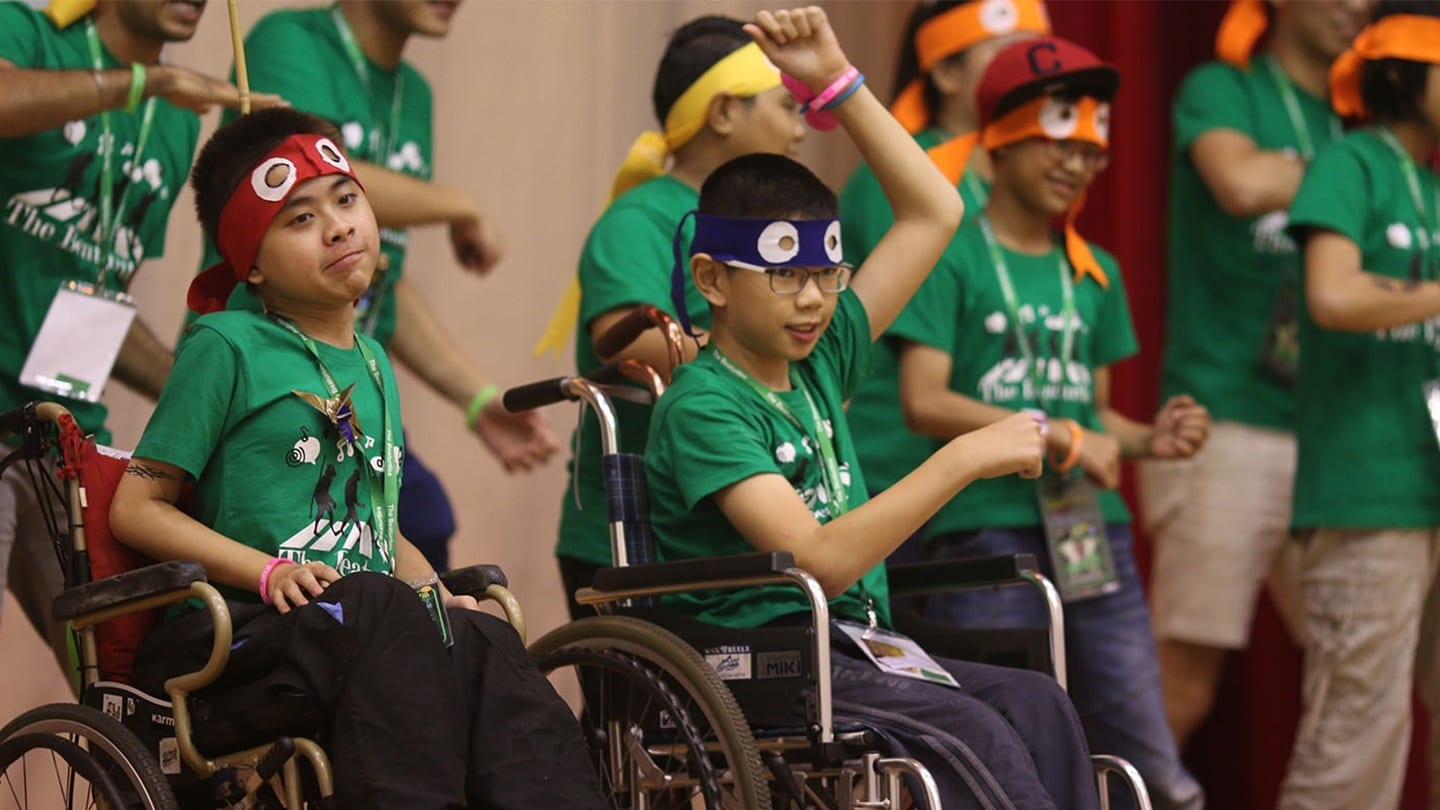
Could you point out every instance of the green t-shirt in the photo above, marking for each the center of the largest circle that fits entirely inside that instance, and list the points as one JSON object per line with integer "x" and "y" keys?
{"x": 711, "y": 430}
{"x": 626, "y": 261}
{"x": 1226, "y": 273}
{"x": 301, "y": 56}
{"x": 1367, "y": 453}
{"x": 270, "y": 469}
{"x": 961, "y": 310}
{"x": 50, "y": 182}
{"x": 888, "y": 450}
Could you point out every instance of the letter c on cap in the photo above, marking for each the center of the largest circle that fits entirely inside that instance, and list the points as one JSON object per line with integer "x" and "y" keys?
{"x": 1043, "y": 59}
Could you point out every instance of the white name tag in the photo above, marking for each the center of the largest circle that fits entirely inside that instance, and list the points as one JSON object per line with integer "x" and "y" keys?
{"x": 896, "y": 654}
{"x": 77, "y": 345}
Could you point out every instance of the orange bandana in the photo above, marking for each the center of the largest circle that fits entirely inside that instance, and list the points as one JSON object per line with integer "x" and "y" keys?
{"x": 955, "y": 30}
{"x": 1241, "y": 27}
{"x": 1412, "y": 37}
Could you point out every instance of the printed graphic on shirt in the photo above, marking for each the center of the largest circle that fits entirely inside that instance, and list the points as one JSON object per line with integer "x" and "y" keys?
{"x": 1012, "y": 380}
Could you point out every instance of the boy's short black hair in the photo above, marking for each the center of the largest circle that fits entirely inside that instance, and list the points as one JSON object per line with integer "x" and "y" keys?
{"x": 694, "y": 48}
{"x": 1392, "y": 88}
{"x": 762, "y": 186}
{"x": 233, "y": 151}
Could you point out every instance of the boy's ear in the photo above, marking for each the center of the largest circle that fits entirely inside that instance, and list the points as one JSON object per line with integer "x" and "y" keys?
{"x": 710, "y": 278}
{"x": 948, "y": 76}
{"x": 255, "y": 276}
{"x": 722, "y": 114}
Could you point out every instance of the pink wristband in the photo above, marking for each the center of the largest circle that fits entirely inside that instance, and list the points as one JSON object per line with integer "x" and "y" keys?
{"x": 840, "y": 85}
{"x": 265, "y": 576}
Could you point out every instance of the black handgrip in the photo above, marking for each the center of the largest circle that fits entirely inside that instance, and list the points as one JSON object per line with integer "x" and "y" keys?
{"x": 275, "y": 758}
{"x": 537, "y": 394}
{"x": 15, "y": 421}
{"x": 627, "y": 329}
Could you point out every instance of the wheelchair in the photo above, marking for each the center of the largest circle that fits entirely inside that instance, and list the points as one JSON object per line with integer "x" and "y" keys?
{"x": 739, "y": 718}
{"x": 119, "y": 748}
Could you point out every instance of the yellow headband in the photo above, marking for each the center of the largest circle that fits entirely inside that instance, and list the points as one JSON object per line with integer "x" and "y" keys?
{"x": 65, "y": 12}
{"x": 1241, "y": 27}
{"x": 742, "y": 74}
{"x": 1412, "y": 37}
{"x": 956, "y": 30}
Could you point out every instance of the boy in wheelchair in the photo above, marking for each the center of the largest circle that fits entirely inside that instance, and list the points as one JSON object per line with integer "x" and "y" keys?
{"x": 288, "y": 426}
{"x": 749, "y": 448}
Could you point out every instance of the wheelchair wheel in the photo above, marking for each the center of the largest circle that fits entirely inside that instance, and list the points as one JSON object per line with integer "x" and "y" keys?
{"x": 130, "y": 769}
{"x": 663, "y": 727}
{"x": 41, "y": 770}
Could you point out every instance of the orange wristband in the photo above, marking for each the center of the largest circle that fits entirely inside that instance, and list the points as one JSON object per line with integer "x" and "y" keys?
{"x": 1077, "y": 439}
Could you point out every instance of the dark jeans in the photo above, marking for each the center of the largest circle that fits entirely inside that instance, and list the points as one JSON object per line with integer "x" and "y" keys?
{"x": 1114, "y": 675}
{"x": 1007, "y": 738}
{"x": 426, "y": 518}
{"x": 407, "y": 723}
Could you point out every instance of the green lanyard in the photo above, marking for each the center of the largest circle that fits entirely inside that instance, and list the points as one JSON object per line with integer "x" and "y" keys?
{"x": 384, "y": 496}
{"x": 1412, "y": 182}
{"x": 1012, "y": 309}
{"x": 1292, "y": 109}
{"x": 357, "y": 60}
{"x": 977, "y": 191}
{"x": 110, "y": 209}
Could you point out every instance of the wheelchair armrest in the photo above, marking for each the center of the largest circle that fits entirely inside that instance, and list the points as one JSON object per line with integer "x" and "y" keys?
{"x": 909, "y": 579}
{"x": 678, "y": 576}
{"x": 474, "y": 579}
{"x": 131, "y": 587}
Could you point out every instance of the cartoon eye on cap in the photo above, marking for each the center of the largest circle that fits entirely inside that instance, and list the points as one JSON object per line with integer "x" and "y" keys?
{"x": 1102, "y": 121}
{"x": 999, "y": 16}
{"x": 331, "y": 154}
{"x": 1059, "y": 119}
{"x": 778, "y": 243}
{"x": 833, "y": 247}
{"x": 273, "y": 179}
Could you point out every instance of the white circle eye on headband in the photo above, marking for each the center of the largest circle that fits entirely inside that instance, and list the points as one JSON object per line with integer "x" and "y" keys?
{"x": 332, "y": 155}
{"x": 832, "y": 243}
{"x": 999, "y": 16}
{"x": 1059, "y": 119}
{"x": 268, "y": 181}
{"x": 779, "y": 242}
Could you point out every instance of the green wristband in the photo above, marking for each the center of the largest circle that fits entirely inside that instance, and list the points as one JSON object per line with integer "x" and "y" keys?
{"x": 482, "y": 398}
{"x": 137, "y": 87}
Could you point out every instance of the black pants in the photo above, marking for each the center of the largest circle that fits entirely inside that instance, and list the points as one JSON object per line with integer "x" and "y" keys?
{"x": 575, "y": 574}
{"x": 406, "y": 722}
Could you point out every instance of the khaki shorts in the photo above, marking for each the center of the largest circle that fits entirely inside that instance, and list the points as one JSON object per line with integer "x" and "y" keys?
{"x": 1219, "y": 523}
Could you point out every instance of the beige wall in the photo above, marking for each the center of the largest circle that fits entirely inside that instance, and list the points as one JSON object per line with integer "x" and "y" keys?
{"x": 536, "y": 102}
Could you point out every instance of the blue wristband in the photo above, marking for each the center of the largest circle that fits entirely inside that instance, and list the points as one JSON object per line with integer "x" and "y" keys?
{"x": 848, "y": 92}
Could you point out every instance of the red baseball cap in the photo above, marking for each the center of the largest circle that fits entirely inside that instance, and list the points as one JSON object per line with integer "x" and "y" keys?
{"x": 1043, "y": 66}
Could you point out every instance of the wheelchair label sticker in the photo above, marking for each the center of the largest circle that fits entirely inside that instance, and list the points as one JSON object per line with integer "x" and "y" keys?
{"x": 896, "y": 654}
{"x": 169, "y": 756}
{"x": 112, "y": 706}
{"x": 778, "y": 664}
{"x": 731, "y": 662}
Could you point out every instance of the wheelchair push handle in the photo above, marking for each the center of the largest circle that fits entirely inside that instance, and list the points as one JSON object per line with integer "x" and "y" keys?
{"x": 628, "y": 329}
{"x": 534, "y": 395}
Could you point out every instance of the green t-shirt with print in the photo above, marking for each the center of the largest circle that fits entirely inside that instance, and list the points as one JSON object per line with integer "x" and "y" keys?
{"x": 626, "y": 261}
{"x": 1227, "y": 274}
{"x": 961, "y": 310}
{"x": 50, "y": 183}
{"x": 270, "y": 470}
{"x": 711, "y": 430}
{"x": 301, "y": 56}
{"x": 1367, "y": 454}
{"x": 886, "y": 447}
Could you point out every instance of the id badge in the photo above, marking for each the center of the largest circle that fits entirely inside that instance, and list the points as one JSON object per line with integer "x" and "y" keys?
{"x": 1075, "y": 537}
{"x": 429, "y": 592}
{"x": 78, "y": 342}
{"x": 1431, "y": 390}
{"x": 896, "y": 654}
{"x": 1281, "y": 356}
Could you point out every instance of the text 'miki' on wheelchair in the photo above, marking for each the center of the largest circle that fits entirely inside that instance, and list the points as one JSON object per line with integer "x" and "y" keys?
{"x": 665, "y": 726}
{"x": 120, "y": 748}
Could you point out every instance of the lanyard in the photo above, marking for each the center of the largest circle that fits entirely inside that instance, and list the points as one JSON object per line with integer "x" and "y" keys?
{"x": 977, "y": 191}
{"x": 1292, "y": 109}
{"x": 1412, "y": 182}
{"x": 110, "y": 209}
{"x": 384, "y": 496}
{"x": 357, "y": 61}
{"x": 1012, "y": 308}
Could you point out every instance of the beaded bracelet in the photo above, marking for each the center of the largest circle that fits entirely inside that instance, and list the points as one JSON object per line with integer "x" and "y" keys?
{"x": 265, "y": 576}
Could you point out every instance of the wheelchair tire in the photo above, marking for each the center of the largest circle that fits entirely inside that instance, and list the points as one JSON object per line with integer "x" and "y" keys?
{"x": 703, "y": 713}
{"x": 82, "y": 784}
{"x": 132, "y": 768}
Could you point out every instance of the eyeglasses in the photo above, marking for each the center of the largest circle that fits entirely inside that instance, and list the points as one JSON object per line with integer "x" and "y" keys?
{"x": 1093, "y": 158}
{"x": 791, "y": 280}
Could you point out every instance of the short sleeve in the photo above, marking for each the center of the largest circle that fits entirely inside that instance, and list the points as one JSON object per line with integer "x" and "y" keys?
{"x": 619, "y": 264}
{"x": 1212, "y": 97}
{"x": 1114, "y": 332}
{"x": 933, "y": 314}
{"x": 703, "y": 441}
{"x": 20, "y": 35}
{"x": 1335, "y": 194}
{"x": 191, "y": 417}
{"x": 281, "y": 58}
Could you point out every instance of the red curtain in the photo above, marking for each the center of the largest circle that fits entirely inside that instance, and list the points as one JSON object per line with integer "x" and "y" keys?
{"x": 1240, "y": 753}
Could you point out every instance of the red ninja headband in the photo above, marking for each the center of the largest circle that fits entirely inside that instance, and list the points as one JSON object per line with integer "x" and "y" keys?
{"x": 254, "y": 205}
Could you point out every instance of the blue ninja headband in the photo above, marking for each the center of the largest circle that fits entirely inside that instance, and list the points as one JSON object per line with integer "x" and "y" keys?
{"x": 753, "y": 243}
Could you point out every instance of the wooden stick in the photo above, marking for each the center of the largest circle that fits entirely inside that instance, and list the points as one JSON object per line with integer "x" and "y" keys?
{"x": 242, "y": 77}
